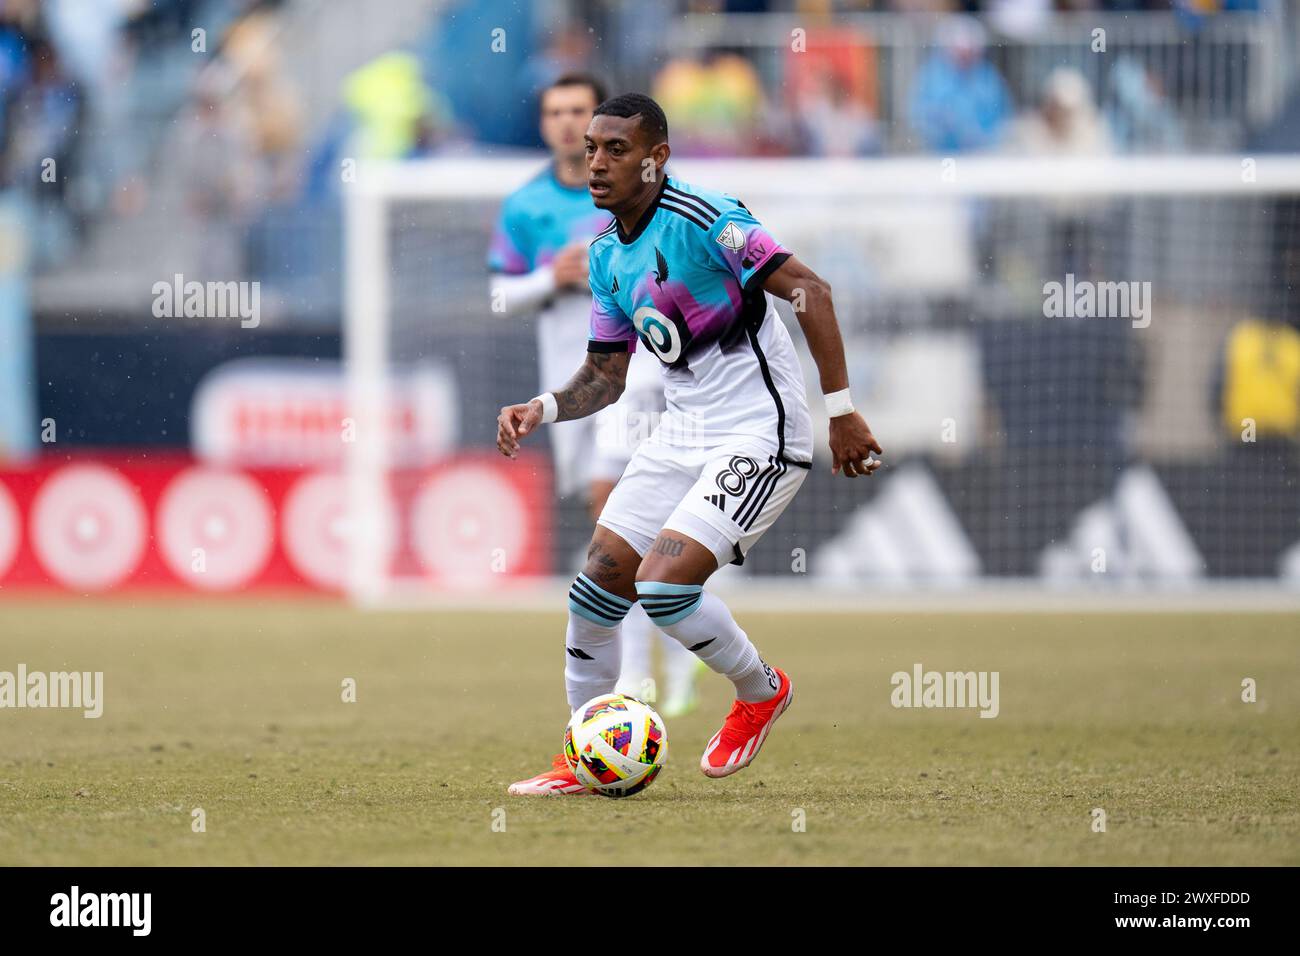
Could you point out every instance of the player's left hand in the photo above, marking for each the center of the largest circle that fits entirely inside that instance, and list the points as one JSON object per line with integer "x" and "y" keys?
{"x": 851, "y": 446}
{"x": 514, "y": 422}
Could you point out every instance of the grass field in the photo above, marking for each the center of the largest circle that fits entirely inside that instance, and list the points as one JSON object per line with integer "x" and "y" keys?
{"x": 236, "y": 708}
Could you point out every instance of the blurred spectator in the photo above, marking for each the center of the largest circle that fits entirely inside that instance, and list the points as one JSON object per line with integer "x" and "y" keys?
{"x": 16, "y": 28}
{"x": 1258, "y": 380}
{"x": 388, "y": 112}
{"x": 569, "y": 51}
{"x": 1066, "y": 121}
{"x": 1141, "y": 117}
{"x": 266, "y": 103}
{"x": 1281, "y": 134}
{"x": 1022, "y": 19}
{"x": 217, "y": 166}
{"x": 959, "y": 102}
{"x": 43, "y": 119}
{"x": 1193, "y": 11}
{"x": 833, "y": 123}
{"x": 714, "y": 106}
{"x": 88, "y": 35}
{"x": 394, "y": 113}
{"x": 486, "y": 86}
{"x": 831, "y": 88}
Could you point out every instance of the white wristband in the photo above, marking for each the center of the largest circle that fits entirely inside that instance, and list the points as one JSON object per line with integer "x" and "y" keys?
{"x": 838, "y": 403}
{"x": 550, "y": 410}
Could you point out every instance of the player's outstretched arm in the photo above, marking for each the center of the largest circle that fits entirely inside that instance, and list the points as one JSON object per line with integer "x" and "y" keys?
{"x": 516, "y": 295}
{"x": 851, "y": 440}
{"x": 599, "y": 382}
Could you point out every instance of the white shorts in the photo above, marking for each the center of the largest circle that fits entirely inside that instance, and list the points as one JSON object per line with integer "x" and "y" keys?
{"x": 724, "y": 497}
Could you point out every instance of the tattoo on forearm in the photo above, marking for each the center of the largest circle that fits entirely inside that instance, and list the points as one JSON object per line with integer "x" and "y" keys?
{"x": 669, "y": 547}
{"x": 598, "y": 383}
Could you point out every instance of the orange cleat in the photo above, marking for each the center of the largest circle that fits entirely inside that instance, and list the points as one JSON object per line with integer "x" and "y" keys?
{"x": 558, "y": 781}
{"x": 735, "y": 746}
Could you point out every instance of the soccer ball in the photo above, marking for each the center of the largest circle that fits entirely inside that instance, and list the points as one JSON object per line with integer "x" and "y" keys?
{"x": 615, "y": 745}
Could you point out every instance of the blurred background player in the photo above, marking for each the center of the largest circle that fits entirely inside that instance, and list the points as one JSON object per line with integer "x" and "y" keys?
{"x": 538, "y": 261}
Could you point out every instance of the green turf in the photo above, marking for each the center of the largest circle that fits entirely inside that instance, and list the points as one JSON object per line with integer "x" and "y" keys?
{"x": 235, "y": 708}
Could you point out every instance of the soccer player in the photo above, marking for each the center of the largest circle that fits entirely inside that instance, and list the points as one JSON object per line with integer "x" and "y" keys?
{"x": 538, "y": 263}
{"x": 687, "y": 272}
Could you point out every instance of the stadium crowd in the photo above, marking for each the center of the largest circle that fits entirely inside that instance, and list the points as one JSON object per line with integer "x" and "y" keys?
{"x": 107, "y": 88}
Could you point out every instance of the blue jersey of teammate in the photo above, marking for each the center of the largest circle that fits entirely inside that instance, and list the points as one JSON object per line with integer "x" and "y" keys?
{"x": 538, "y": 220}
{"x": 687, "y": 282}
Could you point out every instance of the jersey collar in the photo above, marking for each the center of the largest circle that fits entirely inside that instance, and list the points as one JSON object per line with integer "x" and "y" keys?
{"x": 629, "y": 238}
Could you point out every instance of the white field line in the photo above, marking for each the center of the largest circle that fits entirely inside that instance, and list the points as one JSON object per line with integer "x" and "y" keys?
{"x": 776, "y": 596}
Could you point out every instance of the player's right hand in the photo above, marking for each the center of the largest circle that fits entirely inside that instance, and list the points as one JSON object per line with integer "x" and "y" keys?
{"x": 514, "y": 422}
{"x": 570, "y": 265}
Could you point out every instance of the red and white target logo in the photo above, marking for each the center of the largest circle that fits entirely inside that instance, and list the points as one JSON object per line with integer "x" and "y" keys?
{"x": 10, "y": 530}
{"x": 88, "y": 527}
{"x": 317, "y": 529}
{"x": 215, "y": 528}
{"x": 467, "y": 521}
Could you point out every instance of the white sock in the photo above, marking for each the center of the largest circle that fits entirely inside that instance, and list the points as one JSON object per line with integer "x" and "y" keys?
{"x": 679, "y": 667}
{"x": 702, "y": 624}
{"x": 591, "y": 644}
{"x": 636, "y": 655}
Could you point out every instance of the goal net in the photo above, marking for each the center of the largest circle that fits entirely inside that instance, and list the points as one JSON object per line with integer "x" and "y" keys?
{"x": 1083, "y": 372}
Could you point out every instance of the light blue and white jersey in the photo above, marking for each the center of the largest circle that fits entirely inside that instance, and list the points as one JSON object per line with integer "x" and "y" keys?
{"x": 687, "y": 282}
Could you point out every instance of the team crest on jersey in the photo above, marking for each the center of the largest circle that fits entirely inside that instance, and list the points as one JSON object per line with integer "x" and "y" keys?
{"x": 732, "y": 237}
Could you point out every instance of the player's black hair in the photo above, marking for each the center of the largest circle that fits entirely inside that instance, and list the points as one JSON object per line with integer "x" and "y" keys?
{"x": 580, "y": 79}
{"x": 653, "y": 121}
